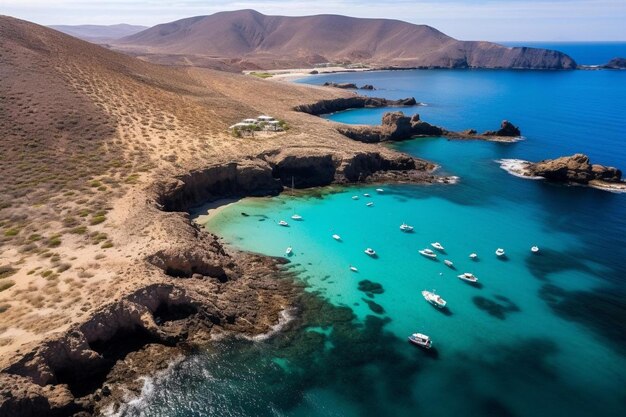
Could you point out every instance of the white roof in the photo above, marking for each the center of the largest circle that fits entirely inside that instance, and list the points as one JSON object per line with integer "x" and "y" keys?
{"x": 249, "y": 120}
{"x": 240, "y": 124}
{"x": 273, "y": 122}
{"x": 265, "y": 118}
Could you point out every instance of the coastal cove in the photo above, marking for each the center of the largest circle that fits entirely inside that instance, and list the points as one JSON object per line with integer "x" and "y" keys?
{"x": 542, "y": 334}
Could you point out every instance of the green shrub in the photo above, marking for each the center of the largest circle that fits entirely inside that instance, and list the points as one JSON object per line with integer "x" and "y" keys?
{"x": 6, "y": 271}
{"x": 5, "y": 285}
{"x": 97, "y": 219}
{"x": 12, "y": 231}
{"x": 54, "y": 241}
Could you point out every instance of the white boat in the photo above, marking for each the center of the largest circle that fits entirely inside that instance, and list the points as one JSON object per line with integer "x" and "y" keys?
{"x": 500, "y": 252}
{"x": 355, "y": 197}
{"x": 366, "y": 195}
{"x": 473, "y": 256}
{"x": 534, "y": 249}
{"x": 437, "y": 246}
{"x": 283, "y": 223}
{"x": 406, "y": 228}
{"x": 353, "y": 269}
{"x": 421, "y": 340}
{"x": 289, "y": 251}
{"x": 469, "y": 277}
{"x": 370, "y": 251}
{"x": 336, "y": 237}
{"x": 428, "y": 253}
{"x": 434, "y": 299}
{"x": 296, "y": 217}
{"x": 380, "y": 190}
{"x": 448, "y": 263}
{"x": 370, "y": 204}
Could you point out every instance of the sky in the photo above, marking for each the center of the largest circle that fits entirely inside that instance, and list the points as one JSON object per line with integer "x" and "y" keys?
{"x": 491, "y": 20}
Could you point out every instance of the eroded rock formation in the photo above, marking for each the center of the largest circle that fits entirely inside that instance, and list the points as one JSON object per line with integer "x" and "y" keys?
{"x": 356, "y": 102}
{"x": 575, "y": 168}
{"x": 269, "y": 173}
{"x": 396, "y": 126}
{"x": 507, "y": 129}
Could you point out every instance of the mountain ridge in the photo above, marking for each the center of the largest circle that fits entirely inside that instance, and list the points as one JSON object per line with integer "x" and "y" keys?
{"x": 99, "y": 33}
{"x": 249, "y": 39}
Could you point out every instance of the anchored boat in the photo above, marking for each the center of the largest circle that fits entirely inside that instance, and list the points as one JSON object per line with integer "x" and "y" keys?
{"x": 421, "y": 340}
{"x": 428, "y": 253}
{"x": 406, "y": 228}
{"x": 437, "y": 246}
{"x": 469, "y": 277}
{"x": 434, "y": 299}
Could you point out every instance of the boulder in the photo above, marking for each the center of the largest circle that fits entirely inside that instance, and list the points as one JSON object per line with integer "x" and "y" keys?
{"x": 367, "y": 87}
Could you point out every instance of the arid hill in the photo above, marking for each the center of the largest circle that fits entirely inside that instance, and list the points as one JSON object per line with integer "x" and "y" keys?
{"x": 99, "y": 33}
{"x": 251, "y": 40}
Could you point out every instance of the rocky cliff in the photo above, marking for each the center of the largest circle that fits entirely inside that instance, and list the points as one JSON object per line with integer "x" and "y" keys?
{"x": 269, "y": 173}
{"x": 356, "y": 102}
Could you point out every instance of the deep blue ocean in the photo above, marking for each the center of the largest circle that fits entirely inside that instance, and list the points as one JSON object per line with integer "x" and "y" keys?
{"x": 541, "y": 335}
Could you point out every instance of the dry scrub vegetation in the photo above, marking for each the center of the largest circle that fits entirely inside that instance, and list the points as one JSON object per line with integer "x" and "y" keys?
{"x": 83, "y": 131}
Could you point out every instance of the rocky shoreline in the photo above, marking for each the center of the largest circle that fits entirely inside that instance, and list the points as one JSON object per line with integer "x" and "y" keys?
{"x": 395, "y": 126}
{"x": 194, "y": 290}
{"x": 575, "y": 169}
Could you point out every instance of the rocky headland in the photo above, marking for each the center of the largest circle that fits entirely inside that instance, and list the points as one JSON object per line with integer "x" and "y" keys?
{"x": 574, "y": 169}
{"x": 348, "y": 86}
{"x": 355, "y": 102}
{"x": 615, "y": 63}
{"x": 395, "y": 126}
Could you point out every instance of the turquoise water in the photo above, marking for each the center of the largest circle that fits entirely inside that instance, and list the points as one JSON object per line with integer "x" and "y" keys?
{"x": 542, "y": 335}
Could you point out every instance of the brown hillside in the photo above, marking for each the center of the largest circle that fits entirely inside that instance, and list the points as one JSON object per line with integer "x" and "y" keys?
{"x": 252, "y": 39}
{"x": 83, "y": 130}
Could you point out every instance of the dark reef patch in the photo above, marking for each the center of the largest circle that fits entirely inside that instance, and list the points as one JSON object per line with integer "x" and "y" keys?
{"x": 602, "y": 310}
{"x": 552, "y": 262}
{"x": 370, "y": 288}
{"x": 495, "y": 309}
{"x": 375, "y": 307}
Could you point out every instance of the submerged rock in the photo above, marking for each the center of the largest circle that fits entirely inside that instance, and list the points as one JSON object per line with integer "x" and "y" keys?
{"x": 370, "y": 287}
{"x": 375, "y": 307}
